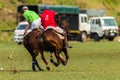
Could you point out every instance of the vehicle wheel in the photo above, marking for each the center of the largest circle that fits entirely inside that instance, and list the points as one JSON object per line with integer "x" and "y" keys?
{"x": 111, "y": 38}
{"x": 19, "y": 43}
{"x": 96, "y": 37}
{"x": 83, "y": 37}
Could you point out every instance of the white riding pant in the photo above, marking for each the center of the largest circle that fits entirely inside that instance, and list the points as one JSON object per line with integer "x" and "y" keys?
{"x": 57, "y": 29}
{"x": 36, "y": 24}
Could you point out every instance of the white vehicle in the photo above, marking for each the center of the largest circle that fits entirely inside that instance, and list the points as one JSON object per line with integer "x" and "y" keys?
{"x": 103, "y": 27}
{"x": 19, "y": 32}
{"x": 84, "y": 27}
{"x": 94, "y": 24}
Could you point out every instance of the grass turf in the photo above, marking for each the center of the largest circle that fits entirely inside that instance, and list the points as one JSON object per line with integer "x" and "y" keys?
{"x": 88, "y": 61}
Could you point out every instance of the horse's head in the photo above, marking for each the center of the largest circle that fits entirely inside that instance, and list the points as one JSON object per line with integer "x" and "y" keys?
{"x": 63, "y": 23}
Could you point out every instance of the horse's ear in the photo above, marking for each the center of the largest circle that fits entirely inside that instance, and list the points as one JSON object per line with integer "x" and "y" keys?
{"x": 57, "y": 16}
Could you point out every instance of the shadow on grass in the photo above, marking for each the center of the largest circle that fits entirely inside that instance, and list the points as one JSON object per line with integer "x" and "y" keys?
{"x": 15, "y": 71}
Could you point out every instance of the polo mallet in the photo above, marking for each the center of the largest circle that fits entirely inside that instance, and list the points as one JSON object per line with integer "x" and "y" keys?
{"x": 11, "y": 53}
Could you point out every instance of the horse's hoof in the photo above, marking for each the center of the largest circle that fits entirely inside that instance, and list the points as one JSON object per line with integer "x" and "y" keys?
{"x": 56, "y": 64}
{"x": 34, "y": 70}
{"x": 63, "y": 63}
{"x": 48, "y": 68}
{"x": 41, "y": 69}
{"x": 51, "y": 60}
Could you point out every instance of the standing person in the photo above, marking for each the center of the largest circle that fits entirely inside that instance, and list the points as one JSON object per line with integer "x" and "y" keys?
{"x": 34, "y": 21}
{"x": 48, "y": 21}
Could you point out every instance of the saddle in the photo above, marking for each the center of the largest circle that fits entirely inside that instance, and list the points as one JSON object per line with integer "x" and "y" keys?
{"x": 38, "y": 29}
{"x": 60, "y": 35}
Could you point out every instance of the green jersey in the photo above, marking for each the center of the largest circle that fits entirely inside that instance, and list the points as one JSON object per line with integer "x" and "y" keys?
{"x": 30, "y": 16}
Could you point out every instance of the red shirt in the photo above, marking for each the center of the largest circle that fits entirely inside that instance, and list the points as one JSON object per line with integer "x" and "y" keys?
{"x": 47, "y": 18}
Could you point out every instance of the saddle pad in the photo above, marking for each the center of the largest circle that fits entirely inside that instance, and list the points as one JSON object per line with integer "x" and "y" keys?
{"x": 61, "y": 37}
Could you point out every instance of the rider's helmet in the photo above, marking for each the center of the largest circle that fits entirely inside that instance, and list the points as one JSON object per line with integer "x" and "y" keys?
{"x": 44, "y": 8}
{"x": 24, "y": 8}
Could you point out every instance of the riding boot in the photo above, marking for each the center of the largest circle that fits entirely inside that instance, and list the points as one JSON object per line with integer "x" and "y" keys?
{"x": 66, "y": 42}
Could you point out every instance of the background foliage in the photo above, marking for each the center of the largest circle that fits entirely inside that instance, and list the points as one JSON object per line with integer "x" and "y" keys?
{"x": 8, "y": 9}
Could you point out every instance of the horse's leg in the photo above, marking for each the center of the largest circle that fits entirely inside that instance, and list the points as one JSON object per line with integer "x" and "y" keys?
{"x": 62, "y": 59}
{"x": 59, "y": 58}
{"x": 66, "y": 54}
{"x": 52, "y": 61}
{"x": 51, "y": 58}
{"x": 44, "y": 60}
{"x": 30, "y": 50}
{"x": 27, "y": 46}
{"x": 34, "y": 62}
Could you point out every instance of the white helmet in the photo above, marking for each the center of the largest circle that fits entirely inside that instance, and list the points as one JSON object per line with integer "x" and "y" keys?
{"x": 24, "y": 8}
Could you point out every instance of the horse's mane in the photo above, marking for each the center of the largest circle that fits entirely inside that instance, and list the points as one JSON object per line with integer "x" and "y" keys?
{"x": 63, "y": 23}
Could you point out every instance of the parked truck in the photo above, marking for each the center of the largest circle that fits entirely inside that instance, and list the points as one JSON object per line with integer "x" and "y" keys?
{"x": 97, "y": 26}
{"x": 84, "y": 24}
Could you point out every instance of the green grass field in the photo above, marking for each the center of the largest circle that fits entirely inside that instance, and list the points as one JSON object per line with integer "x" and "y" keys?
{"x": 88, "y": 61}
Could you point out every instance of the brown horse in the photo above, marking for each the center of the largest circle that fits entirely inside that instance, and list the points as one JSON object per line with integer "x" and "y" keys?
{"x": 30, "y": 42}
{"x": 36, "y": 42}
{"x": 53, "y": 44}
